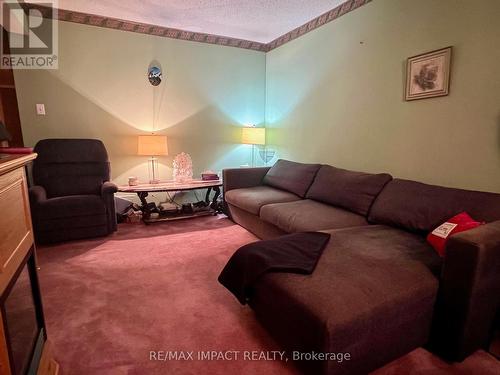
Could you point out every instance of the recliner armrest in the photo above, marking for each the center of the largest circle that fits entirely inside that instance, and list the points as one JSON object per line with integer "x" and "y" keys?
{"x": 469, "y": 295}
{"x": 237, "y": 178}
{"x": 37, "y": 194}
{"x": 108, "y": 188}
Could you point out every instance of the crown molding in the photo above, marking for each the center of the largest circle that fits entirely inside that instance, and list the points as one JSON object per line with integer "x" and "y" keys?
{"x": 167, "y": 32}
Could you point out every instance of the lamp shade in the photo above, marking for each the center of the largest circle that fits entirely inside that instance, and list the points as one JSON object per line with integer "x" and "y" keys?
{"x": 253, "y": 136}
{"x": 152, "y": 145}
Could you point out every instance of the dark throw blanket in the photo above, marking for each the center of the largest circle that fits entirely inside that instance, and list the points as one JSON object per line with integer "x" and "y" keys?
{"x": 295, "y": 253}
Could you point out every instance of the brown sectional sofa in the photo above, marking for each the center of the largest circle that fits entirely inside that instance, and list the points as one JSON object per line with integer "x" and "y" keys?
{"x": 379, "y": 289}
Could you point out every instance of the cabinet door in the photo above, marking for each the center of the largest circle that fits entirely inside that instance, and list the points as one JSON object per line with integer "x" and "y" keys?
{"x": 16, "y": 232}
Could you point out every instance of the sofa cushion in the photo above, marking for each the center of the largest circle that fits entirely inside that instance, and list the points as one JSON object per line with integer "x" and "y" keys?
{"x": 372, "y": 295}
{"x": 354, "y": 191}
{"x": 71, "y": 206}
{"x": 290, "y": 176}
{"x": 420, "y": 207}
{"x": 309, "y": 215}
{"x": 253, "y": 223}
{"x": 252, "y": 199}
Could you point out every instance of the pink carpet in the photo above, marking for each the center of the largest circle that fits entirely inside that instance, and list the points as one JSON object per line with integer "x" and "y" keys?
{"x": 109, "y": 302}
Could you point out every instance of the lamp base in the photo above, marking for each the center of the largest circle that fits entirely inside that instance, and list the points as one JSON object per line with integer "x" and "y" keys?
{"x": 153, "y": 170}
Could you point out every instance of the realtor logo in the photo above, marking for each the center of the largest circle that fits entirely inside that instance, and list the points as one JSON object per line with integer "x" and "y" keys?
{"x": 31, "y": 35}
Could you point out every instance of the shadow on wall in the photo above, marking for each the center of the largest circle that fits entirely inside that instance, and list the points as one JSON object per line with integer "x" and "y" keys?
{"x": 209, "y": 135}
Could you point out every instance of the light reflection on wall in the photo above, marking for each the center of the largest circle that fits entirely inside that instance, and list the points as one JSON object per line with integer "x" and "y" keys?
{"x": 103, "y": 92}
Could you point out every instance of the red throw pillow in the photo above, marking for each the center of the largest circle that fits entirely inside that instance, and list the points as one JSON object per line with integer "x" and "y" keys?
{"x": 460, "y": 223}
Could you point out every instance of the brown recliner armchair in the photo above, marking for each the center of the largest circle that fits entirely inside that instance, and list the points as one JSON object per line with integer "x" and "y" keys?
{"x": 72, "y": 196}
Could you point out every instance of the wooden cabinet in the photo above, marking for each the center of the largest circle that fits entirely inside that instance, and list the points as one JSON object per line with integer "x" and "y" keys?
{"x": 17, "y": 256}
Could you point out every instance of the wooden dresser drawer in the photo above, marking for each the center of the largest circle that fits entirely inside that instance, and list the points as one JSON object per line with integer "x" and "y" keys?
{"x": 15, "y": 223}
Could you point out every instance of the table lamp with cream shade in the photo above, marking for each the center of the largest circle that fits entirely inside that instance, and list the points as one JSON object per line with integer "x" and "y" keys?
{"x": 152, "y": 145}
{"x": 251, "y": 135}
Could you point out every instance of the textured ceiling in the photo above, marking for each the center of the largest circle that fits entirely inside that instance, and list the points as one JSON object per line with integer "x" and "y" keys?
{"x": 256, "y": 20}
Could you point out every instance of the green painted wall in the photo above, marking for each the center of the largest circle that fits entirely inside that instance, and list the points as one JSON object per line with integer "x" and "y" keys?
{"x": 101, "y": 91}
{"x": 335, "y": 95}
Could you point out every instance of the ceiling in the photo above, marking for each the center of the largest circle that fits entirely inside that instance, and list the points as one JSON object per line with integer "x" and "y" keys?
{"x": 255, "y": 20}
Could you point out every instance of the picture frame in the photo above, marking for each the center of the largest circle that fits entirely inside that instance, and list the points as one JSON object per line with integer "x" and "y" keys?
{"x": 428, "y": 74}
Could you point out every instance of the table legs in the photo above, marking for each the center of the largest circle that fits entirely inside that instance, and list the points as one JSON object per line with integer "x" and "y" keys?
{"x": 207, "y": 195}
{"x": 144, "y": 204}
{"x": 215, "y": 205}
{"x": 142, "y": 196}
{"x": 212, "y": 203}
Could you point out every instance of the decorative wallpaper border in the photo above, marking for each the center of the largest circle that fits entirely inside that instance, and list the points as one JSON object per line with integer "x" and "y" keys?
{"x": 144, "y": 28}
{"x": 167, "y": 32}
{"x": 321, "y": 20}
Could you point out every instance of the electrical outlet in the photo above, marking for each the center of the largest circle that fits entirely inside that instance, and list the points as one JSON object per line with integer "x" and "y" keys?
{"x": 40, "y": 109}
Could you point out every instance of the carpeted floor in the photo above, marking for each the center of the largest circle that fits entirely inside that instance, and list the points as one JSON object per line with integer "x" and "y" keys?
{"x": 110, "y": 302}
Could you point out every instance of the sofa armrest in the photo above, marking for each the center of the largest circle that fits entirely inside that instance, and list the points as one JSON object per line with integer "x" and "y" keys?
{"x": 108, "y": 188}
{"x": 237, "y": 178}
{"x": 37, "y": 194}
{"x": 469, "y": 295}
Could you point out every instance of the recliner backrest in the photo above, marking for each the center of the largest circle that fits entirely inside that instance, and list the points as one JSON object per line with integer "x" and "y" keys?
{"x": 71, "y": 166}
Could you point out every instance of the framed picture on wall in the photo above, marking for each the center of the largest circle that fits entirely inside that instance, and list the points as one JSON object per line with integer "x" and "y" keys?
{"x": 428, "y": 74}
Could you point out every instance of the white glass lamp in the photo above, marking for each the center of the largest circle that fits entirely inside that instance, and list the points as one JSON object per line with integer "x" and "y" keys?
{"x": 251, "y": 135}
{"x": 152, "y": 145}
